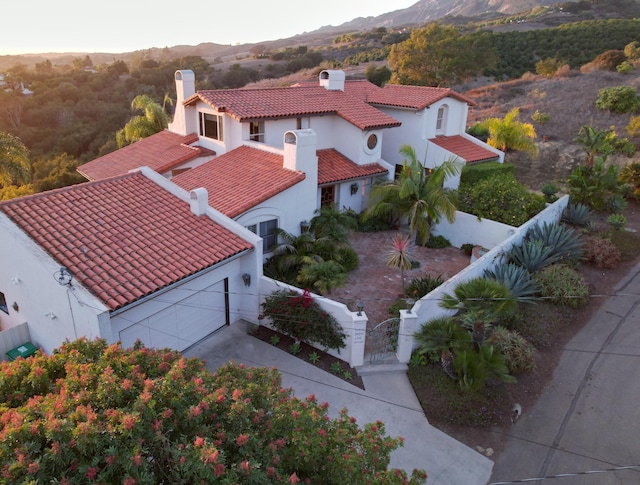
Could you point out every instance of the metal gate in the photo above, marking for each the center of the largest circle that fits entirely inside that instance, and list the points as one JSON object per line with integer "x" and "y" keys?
{"x": 384, "y": 340}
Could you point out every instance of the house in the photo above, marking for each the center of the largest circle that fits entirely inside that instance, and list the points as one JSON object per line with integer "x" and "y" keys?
{"x": 125, "y": 258}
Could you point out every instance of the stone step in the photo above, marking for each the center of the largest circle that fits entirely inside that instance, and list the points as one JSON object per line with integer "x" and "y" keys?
{"x": 388, "y": 368}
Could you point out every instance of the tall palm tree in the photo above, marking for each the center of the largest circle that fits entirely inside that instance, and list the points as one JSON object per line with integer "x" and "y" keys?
{"x": 14, "y": 160}
{"x": 509, "y": 133}
{"x": 417, "y": 195}
{"x": 153, "y": 121}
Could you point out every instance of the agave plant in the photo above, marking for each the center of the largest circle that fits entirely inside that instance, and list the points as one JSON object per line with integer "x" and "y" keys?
{"x": 533, "y": 255}
{"x": 519, "y": 281}
{"x": 564, "y": 242}
{"x": 576, "y": 214}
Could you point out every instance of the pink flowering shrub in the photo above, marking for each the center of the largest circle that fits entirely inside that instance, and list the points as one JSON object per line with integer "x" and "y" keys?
{"x": 300, "y": 317}
{"x": 95, "y": 413}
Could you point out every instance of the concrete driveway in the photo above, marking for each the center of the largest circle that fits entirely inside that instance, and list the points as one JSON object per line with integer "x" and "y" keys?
{"x": 586, "y": 424}
{"x": 389, "y": 397}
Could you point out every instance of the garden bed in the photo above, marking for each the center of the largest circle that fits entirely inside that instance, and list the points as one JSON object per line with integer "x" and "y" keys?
{"x": 311, "y": 355}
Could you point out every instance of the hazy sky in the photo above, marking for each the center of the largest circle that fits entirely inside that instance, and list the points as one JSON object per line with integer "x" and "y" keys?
{"x": 120, "y": 26}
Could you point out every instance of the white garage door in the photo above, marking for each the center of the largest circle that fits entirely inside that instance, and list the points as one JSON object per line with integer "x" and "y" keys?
{"x": 183, "y": 323}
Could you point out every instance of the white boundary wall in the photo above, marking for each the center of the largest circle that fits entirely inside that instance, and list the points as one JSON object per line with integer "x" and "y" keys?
{"x": 353, "y": 325}
{"x": 428, "y": 308}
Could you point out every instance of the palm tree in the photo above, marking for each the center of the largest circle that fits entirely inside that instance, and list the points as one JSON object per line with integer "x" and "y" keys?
{"x": 416, "y": 194}
{"x": 509, "y": 133}
{"x": 322, "y": 277}
{"x": 295, "y": 252}
{"x": 399, "y": 256}
{"x": 595, "y": 142}
{"x": 330, "y": 222}
{"x": 153, "y": 121}
{"x": 480, "y": 301}
{"x": 14, "y": 160}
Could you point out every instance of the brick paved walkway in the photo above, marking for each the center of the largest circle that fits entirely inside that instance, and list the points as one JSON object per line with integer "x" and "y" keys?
{"x": 377, "y": 285}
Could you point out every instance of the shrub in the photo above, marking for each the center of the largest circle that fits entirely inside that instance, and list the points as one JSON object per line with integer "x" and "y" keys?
{"x": 500, "y": 198}
{"x": 616, "y": 203}
{"x": 549, "y": 191}
{"x": 300, "y": 317}
{"x": 467, "y": 248}
{"x": 475, "y": 368}
{"x": 422, "y": 286}
{"x": 540, "y": 117}
{"x": 103, "y": 414}
{"x": 474, "y": 173}
{"x": 519, "y": 281}
{"x": 348, "y": 258}
{"x": 625, "y": 68}
{"x": 617, "y": 221}
{"x": 601, "y": 252}
{"x": 565, "y": 243}
{"x": 633, "y": 128}
{"x": 519, "y": 354}
{"x": 374, "y": 223}
{"x": 593, "y": 186}
{"x": 618, "y": 99}
{"x": 576, "y": 214}
{"x": 437, "y": 242}
{"x": 562, "y": 285}
{"x": 630, "y": 174}
{"x": 479, "y": 131}
{"x": 322, "y": 277}
{"x": 548, "y": 67}
{"x": 609, "y": 60}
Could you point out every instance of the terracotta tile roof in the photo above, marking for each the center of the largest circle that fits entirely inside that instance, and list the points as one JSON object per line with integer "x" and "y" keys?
{"x": 334, "y": 167}
{"x": 253, "y": 104}
{"x": 240, "y": 179}
{"x": 465, "y": 149}
{"x": 415, "y": 97}
{"x": 159, "y": 152}
{"x": 123, "y": 238}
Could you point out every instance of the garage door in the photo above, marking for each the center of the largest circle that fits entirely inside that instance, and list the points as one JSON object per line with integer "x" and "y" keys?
{"x": 183, "y": 323}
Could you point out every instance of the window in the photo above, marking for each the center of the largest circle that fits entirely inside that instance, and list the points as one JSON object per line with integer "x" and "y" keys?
{"x": 327, "y": 195}
{"x": 442, "y": 119}
{"x": 267, "y": 230}
{"x": 3, "y": 304}
{"x": 372, "y": 141}
{"x": 256, "y": 131}
{"x": 211, "y": 126}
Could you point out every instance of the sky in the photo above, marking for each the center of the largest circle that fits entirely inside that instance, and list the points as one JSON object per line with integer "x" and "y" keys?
{"x": 118, "y": 26}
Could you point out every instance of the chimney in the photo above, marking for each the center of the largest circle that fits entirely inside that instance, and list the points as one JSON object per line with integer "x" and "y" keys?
{"x": 185, "y": 88}
{"x": 332, "y": 80}
{"x": 199, "y": 201}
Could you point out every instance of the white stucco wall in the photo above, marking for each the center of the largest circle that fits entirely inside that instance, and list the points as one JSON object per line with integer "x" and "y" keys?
{"x": 27, "y": 278}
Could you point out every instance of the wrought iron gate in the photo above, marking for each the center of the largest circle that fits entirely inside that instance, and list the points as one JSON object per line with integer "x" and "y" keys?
{"x": 384, "y": 340}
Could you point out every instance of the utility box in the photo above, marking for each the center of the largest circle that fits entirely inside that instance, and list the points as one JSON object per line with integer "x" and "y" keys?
{"x": 25, "y": 350}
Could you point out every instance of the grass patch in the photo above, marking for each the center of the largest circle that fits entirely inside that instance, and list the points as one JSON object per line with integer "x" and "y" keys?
{"x": 628, "y": 243}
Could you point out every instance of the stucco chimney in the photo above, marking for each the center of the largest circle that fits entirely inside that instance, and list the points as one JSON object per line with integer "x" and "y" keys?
{"x": 332, "y": 80}
{"x": 185, "y": 88}
{"x": 199, "y": 201}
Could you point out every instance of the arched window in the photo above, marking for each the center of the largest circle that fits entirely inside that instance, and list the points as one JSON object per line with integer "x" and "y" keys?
{"x": 441, "y": 121}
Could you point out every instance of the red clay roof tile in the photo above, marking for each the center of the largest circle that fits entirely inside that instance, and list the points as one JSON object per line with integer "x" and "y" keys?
{"x": 465, "y": 149}
{"x": 159, "y": 152}
{"x": 123, "y": 238}
{"x": 416, "y": 97}
{"x": 334, "y": 167}
{"x": 253, "y": 104}
{"x": 240, "y": 179}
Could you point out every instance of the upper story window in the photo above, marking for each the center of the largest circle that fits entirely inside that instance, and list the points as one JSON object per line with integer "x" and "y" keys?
{"x": 211, "y": 126}
{"x": 3, "y": 304}
{"x": 441, "y": 121}
{"x": 256, "y": 131}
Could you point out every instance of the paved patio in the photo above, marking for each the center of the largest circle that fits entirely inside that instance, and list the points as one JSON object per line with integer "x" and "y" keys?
{"x": 378, "y": 285}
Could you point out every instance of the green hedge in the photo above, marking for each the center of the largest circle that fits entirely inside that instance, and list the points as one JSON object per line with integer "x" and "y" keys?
{"x": 472, "y": 174}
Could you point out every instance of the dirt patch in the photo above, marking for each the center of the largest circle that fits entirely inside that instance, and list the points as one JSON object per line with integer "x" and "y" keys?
{"x": 313, "y": 356}
{"x": 559, "y": 326}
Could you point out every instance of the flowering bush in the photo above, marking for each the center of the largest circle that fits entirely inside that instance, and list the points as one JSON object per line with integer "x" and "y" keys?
{"x": 300, "y": 317}
{"x": 95, "y": 413}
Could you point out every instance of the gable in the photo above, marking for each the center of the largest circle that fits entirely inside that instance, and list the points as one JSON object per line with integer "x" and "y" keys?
{"x": 123, "y": 238}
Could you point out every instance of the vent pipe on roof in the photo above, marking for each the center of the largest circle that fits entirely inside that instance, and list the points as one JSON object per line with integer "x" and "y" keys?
{"x": 199, "y": 201}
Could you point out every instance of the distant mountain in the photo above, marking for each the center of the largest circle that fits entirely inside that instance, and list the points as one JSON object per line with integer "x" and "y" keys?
{"x": 428, "y": 10}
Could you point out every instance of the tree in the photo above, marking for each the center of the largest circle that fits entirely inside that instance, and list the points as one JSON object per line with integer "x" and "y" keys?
{"x": 509, "y": 133}
{"x": 439, "y": 55}
{"x": 596, "y": 143}
{"x": 417, "y": 193}
{"x": 153, "y": 121}
{"x": 14, "y": 160}
{"x": 93, "y": 412}
{"x": 378, "y": 75}
{"x": 334, "y": 224}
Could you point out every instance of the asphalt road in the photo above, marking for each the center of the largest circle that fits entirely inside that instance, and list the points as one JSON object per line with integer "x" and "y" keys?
{"x": 586, "y": 424}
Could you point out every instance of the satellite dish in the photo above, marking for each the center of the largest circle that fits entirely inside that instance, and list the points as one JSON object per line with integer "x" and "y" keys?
{"x": 63, "y": 276}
